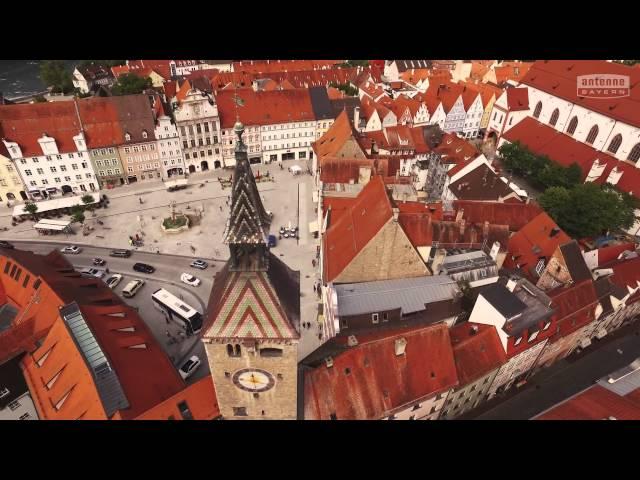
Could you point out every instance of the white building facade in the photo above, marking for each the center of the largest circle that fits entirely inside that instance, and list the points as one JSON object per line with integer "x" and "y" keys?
{"x": 169, "y": 147}
{"x": 288, "y": 141}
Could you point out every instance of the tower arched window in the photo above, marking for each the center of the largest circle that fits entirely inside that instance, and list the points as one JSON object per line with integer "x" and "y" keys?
{"x": 634, "y": 154}
{"x": 573, "y": 124}
{"x": 615, "y": 143}
{"x": 229, "y": 349}
{"x": 593, "y": 134}
{"x": 554, "y": 117}
{"x": 237, "y": 350}
{"x": 537, "y": 110}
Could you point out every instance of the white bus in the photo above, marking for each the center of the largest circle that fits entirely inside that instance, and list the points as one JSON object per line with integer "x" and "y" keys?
{"x": 176, "y": 310}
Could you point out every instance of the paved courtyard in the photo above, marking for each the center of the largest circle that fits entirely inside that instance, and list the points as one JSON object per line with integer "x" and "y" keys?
{"x": 138, "y": 209}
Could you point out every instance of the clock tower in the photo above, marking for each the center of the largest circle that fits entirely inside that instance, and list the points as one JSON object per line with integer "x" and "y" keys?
{"x": 253, "y": 318}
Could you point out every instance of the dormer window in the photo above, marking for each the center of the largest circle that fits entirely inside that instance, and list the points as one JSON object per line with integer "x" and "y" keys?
{"x": 144, "y": 134}
{"x": 127, "y": 137}
{"x": 517, "y": 342}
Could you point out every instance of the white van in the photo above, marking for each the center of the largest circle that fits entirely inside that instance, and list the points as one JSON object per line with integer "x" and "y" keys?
{"x": 132, "y": 288}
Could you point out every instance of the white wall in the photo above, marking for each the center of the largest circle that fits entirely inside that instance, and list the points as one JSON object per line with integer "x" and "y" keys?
{"x": 23, "y": 406}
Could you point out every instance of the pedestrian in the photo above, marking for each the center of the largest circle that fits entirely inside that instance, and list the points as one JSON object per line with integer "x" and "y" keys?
{"x": 313, "y": 262}
{"x": 107, "y": 270}
{"x": 220, "y": 207}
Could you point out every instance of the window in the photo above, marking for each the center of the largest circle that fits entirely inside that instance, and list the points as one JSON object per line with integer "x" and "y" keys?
{"x": 53, "y": 169}
{"x": 67, "y": 179}
{"x": 546, "y": 325}
{"x": 239, "y": 411}
{"x": 537, "y": 110}
{"x": 78, "y": 177}
{"x": 554, "y": 117}
{"x": 74, "y": 166}
{"x": 71, "y": 155}
{"x": 26, "y": 281}
{"x": 517, "y": 342}
{"x": 40, "y": 171}
{"x": 186, "y": 156}
{"x": 634, "y": 154}
{"x": 374, "y": 318}
{"x": 615, "y": 143}
{"x": 14, "y": 405}
{"x": 195, "y": 154}
{"x": 193, "y": 143}
{"x": 84, "y": 164}
{"x": 25, "y": 416}
{"x": 185, "y": 144}
{"x": 63, "y": 168}
{"x": 184, "y": 411}
{"x": 28, "y": 173}
{"x": 593, "y": 134}
{"x": 533, "y": 336}
{"x": 573, "y": 124}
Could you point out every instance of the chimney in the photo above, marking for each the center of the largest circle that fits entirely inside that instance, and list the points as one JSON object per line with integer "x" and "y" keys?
{"x": 459, "y": 215}
{"x": 356, "y": 117}
{"x": 400, "y": 346}
{"x": 352, "y": 341}
{"x": 396, "y": 212}
{"x": 511, "y": 285}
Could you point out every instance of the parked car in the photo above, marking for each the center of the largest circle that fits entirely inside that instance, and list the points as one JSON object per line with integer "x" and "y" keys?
{"x": 92, "y": 272}
{"x": 71, "y": 249}
{"x": 272, "y": 241}
{"x": 5, "y": 244}
{"x": 132, "y": 288}
{"x": 98, "y": 262}
{"x": 190, "y": 367}
{"x": 143, "y": 267}
{"x": 190, "y": 279}
{"x": 201, "y": 264}
{"x": 113, "y": 281}
{"x": 120, "y": 253}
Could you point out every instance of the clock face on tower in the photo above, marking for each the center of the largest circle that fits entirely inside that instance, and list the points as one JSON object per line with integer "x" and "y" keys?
{"x": 253, "y": 380}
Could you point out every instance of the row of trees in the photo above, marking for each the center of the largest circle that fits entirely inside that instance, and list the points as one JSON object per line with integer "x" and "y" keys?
{"x": 77, "y": 211}
{"x": 539, "y": 170}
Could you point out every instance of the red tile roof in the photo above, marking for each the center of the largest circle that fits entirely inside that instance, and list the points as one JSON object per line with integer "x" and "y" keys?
{"x": 160, "y": 66}
{"x": 349, "y": 235}
{"x": 334, "y": 139}
{"x": 200, "y": 398}
{"x": 477, "y": 352}
{"x": 456, "y": 150}
{"x": 101, "y": 123}
{"x": 518, "y": 99}
{"x": 559, "y": 78}
{"x": 611, "y": 253}
{"x": 170, "y": 89}
{"x": 265, "y": 108}
{"x": 595, "y": 403}
{"x": 487, "y": 91}
{"x": 119, "y": 70}
{"x": 515, "y": 215}
{"x": 268, "y": 66}
{"x": 626, "y": 272}
{"x": 343, "y": 170}
{"x": 511, "y": 71}
{"x": 574, "y": 307}
{"x": 522, "y": 244}
{"x": 338, "y": 205}
{"x": 26, "y": 123}
{"x": 369, "y": 381}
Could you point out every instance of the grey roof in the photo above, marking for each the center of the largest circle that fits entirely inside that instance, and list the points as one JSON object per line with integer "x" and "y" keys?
{"x": 538, "y": 308}
{"x": 409, "y": 294}
{"x": 575, "y": 261}
{"x": 322, "y": 109}
{"x": 466, "y": 261}
{"x": 106, "y": 380}
{"x": 624, "y": 381}
{"x": 404, "y": 65}
{"x": 506, "y": 302}
{"x": 347, "y": 103}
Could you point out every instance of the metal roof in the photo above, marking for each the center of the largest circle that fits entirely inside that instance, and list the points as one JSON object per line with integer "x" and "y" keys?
{"x": 408, "y": 294}
{"x": 106, "y": 380}
{"x": 623, "y": 381}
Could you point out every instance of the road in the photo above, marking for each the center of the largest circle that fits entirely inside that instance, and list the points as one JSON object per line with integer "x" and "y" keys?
{"x": 564, "y": 379}
{"x": 167, "y": 275}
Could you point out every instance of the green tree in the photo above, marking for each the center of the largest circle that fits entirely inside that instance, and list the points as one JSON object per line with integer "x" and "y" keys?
{"x": 87, "y": 200}
{"x": 129, "y": 84}
{"x": 54, "y": 74}
{"x": 589, "y": 210}
{"x": 77, "y": 214}
{"x": 31, "y": 208}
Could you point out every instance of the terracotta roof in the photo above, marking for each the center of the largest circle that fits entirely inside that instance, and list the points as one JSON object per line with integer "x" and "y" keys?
{"x": 481, "y": 183}
{"x": 515, "y": 215}
{"x": 534, "y": 241}
{"x": 456, "y": 150}
{"x": 487, "y": 92}
{"x": 349, "y": 235}
{"x": 343, "y": 170}
{"x": 143, "y": 370}
{"x": 334, "y": 93}
{"x": 369, "y": 381}
{"x": 267, "y": 66}
{"x": 595, "y": 403}
{"x": 518, "y": 99}
{"x": 264, "y": 108}
{"x": 418, "y": 227}
{"x": 611, "y": 253}
{"x": 626, "y": 272}
{"x": 468, "y": 97}
{"x": 101, "y": 122}
{"x": 199, "y": 397}
{"x": 334, "y": 138}
{"x": 448, "y": 93}
{"x": 372, "y": 90}
{"x": 477, "y": 350}
{"x": 559, "y": 78}
{"x": 26, "y": 123}
{"x": 511, "y": 71}
{"x": 119, "y": 70}
{"x": 170, "y": 89}
{"x": 574, "y": 307}
{"x": 338, "y": 206}
{"x": 160, "y": 66}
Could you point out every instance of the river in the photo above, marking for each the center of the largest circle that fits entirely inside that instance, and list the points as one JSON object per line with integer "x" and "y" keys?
{"x": 22, "y": 77}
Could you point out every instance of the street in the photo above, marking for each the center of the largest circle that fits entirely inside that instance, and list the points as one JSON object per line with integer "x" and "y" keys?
{"x": 564, "y": 379}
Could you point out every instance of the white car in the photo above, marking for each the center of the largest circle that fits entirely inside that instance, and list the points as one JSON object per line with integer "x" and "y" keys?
{"x": 114, "y": 280}
{"x": 72, "y": 249}
{"x": 190, "y": 367}
{"x": 190, "y": 279}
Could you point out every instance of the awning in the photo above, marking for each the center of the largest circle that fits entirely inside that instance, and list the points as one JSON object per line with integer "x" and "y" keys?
{"x": 52, "y": 189}
{"x": 296, "y": 168}
{"x": 313, "y": 227}
{"x": 57, "y": 225}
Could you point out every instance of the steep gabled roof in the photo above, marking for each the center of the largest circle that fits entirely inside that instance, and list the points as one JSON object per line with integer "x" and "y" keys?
{"x": 518, "y": 99}
{"x": 595, "y": 403}
{"x": 335, "y": 138}
{"x": 356, "y": 227}
{"x": 369, "y": 381}
{"x": 477, "y": 350}
{"x": 515, "y": 215}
